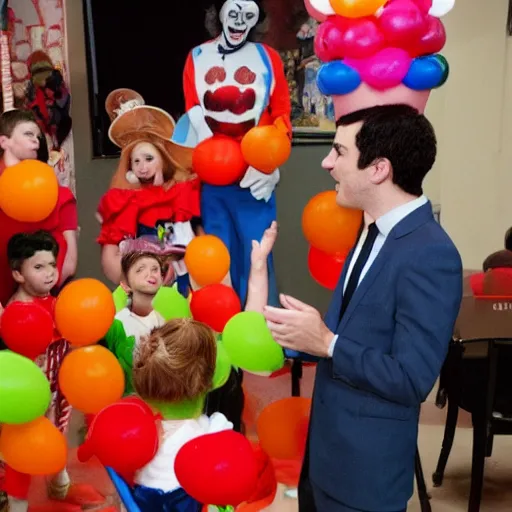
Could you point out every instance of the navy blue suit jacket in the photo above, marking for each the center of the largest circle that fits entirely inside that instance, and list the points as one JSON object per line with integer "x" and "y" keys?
{"x": 393, "y": 339}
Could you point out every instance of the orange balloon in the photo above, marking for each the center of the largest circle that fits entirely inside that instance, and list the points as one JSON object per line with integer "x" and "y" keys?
{"x": 84, "y": 311}
{"x": 356, "y": 8}
{"x": 266, "y": 148}
{"x": 282, "y": 427}
{"x": 35, "y": 448}
{"x": 328, "y": 227}
{"x": 91, "y": 378}
{"x": 207, "y": 260}
{"x": 28, "y": 191}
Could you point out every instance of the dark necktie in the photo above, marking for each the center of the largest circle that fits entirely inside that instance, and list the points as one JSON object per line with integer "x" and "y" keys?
{"x": 373, "y": 231}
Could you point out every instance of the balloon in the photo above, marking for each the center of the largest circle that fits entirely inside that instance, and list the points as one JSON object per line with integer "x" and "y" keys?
{"x": 329, "y": 227}
{"x": 402, "y": 23}
{"x": 219, "y": 160}
{"x": 250, "y": 345}
{"x": 319, "y": 9}
{"x": 214, "y": 305}
{"x": 27, "y": 328}
{"x": 222, "y": 367}
{"x": 383, "y": 70}
{"x": 361, "y": 37}
{"x": 337, "y": 78}
{"x": 91, "y": 378}
{"x": 433, "y": 39}
{"x": 325, "y": 268}
{"x": 441, "y": 8}
{"x": 120, "y": 299}
{"x": 217, "y": 468}
{"x": 424, "y": 5}
{"x": 444, "y": 65}
{"x": 280, "y": 427}
{"x": 84, "y": 311}
{"x": 476, "y": 282}
{"x": 171, "y": 304}
{"x": 329, "y": 40}
{"x": 24, "y": 390}
{"x": 425, "y": 73}
{"x": 28, "y": 191}
{"x": 123, "y": 435}
{"x": 207, "y": 260}
{"x": 356, "y": 8}
{"x": 35, "y": 448}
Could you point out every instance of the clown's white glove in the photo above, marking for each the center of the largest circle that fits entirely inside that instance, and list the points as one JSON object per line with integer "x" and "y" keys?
{"x": 198, "y": 122}
{"x": 262, "y": 185}
{"x": 182, "y": 234}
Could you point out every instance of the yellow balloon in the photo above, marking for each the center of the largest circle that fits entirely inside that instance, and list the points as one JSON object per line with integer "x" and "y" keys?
{"x": 356, "y": 8}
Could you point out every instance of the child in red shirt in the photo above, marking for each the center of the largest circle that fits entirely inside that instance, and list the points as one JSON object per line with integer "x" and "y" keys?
{"x": 19, "y": 141}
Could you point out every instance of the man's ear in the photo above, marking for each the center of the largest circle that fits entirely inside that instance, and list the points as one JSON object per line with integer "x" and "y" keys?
{"x": 381, "y": 171}
{"x": 16, "y": 274}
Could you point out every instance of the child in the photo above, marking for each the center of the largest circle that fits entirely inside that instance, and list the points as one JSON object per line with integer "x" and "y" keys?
{"x": 33, "y": 261}
{"x": 19, "y": 141}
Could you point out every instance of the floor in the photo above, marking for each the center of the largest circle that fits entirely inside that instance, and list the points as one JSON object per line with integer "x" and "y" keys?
{"x": 451, "y": 497}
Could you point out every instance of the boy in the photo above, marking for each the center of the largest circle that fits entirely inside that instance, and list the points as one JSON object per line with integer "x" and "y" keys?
{"x": 19, "y": 141}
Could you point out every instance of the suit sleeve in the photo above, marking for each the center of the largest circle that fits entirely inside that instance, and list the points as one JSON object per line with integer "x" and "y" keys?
{"x": 280, "y": 104}
{"x": 189, "y": 84}
{"x": 429, "y": 293}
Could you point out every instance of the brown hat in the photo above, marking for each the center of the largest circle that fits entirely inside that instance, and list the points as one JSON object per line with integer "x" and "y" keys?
{"x": 133, "y": 122}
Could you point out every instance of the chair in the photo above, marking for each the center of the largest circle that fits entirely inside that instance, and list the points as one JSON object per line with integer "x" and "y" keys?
{"x": 474, "y": 377}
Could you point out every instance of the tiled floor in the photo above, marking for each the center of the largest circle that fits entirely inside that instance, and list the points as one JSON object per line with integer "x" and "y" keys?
{"x": 451, "y": 497}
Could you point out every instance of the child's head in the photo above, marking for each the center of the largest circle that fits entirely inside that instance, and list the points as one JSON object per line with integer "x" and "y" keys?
{"x": 19, "y": 135}
{"x": 141, "y": 273}
{"x": 33, "y": 261}
{"x": 176, "y": 362}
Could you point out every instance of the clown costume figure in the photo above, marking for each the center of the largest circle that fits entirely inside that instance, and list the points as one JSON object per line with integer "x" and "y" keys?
{"x": 232, "y": 85}
{"x": 154, "y": 196}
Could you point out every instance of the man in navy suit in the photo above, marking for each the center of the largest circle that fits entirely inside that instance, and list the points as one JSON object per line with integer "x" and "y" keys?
{"x": 388, "y": 327}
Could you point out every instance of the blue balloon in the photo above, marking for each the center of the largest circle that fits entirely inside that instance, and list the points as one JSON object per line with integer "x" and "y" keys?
{"x": 425, "y": 73}
{"x": 336, "y": 77}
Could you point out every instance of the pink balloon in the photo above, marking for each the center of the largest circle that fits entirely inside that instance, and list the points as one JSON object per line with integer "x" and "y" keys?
{"x": 329, "y": 40}
{"x": 424, "y": 5}
{"x": 383, "y": 70}
{"x": 402, "y": 23}
{"x": 361, "y": 37}
{"x": 432, "y": 41}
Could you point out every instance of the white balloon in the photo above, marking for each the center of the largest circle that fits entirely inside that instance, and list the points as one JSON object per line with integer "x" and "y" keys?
{"x": 322, "y": 6}
{"x": 441, "y": 7}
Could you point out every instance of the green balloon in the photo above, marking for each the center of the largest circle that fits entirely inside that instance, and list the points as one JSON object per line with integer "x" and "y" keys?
{"x": 171, "y": 304}
{"x": 222, "y": 367}
{"x": 24, "y": 390}
{"x": 445, "y": 67}
{"x": 120, "y": 299}
{"x": 250, "y": 345}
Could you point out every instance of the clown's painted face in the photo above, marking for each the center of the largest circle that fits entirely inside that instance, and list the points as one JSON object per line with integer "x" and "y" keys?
{"x": 238, "y": 17}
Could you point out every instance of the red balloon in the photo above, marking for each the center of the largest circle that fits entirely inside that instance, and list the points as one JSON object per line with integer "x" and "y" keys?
{"x": 361, "y": 37}
{"x": 432, "y": 41}
{"x": 424, "y": 5}
{"x": 402, "y": 23}
{"x": 215, "y": 305}
{"x": 219, "y": 160}
{"x": 123, "y": 436}
{"x": 325, "y": 268}
{"x": 329, "y": 40}
{"x": 218, "y": 469}
{"x": 27, "y": 328}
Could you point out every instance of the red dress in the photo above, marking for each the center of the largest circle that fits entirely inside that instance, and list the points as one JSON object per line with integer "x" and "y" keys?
{"x": 63, "y": 218}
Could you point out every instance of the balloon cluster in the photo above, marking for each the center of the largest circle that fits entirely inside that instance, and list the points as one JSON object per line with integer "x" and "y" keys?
{"x": 382, "y": 43}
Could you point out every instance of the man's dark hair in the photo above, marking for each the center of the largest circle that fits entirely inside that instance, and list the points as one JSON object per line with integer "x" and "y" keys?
{"x": 402, "y": 135}
{"x": 23, "y": 246}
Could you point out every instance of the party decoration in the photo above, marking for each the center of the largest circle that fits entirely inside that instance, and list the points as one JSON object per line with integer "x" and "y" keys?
{"x": 222, "y": 366}
{"x": 171, "y": 304}
{"x": 425, "y": 73}
{"x": 432, "y": 40}
{"x": 337, "y": 78}
{"x": 35, "y": 448}
{"x": 282, "y": 427}
{"x": 91, "y": 378}
{"x": 24, "y": 390}
{"x": 215, "y": 305}
{"x": 123, "y": 436}
{"x": 207, "y": 260}
{"x": 325, "y": 268}
{"x": 356, "y": 8}
{"x": 218, "y": 468}
{"x": 329, "y": 227}
{"x": 250, "y": 345}
{"x": 402, "y": 23}
{"x": 319, "y": 10}
{"x": 219, "y": 161}
{"x": 26, "y": 328}
{"x": 84, "y": 311}
{"x": 441, "y": 8}
{"x": 28, "y": 191}
{"x": 266, "y": 148}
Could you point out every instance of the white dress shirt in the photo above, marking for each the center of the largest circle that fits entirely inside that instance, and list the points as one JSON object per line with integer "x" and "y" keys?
{"x": 384, "y": 224}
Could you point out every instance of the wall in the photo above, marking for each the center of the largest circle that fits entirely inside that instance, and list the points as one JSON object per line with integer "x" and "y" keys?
{"x": 471, "y": 178}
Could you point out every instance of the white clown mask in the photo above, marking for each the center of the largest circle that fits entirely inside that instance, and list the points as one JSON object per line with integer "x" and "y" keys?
{"x": 238, "y": 18}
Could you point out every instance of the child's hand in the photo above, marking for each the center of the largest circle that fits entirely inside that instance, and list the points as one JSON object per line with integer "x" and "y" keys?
{"x": 261, "y": 250}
